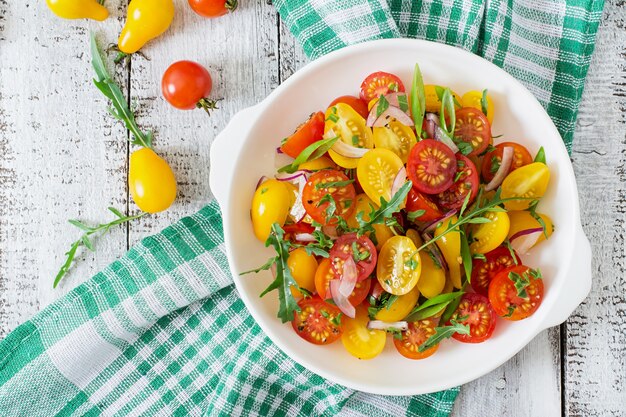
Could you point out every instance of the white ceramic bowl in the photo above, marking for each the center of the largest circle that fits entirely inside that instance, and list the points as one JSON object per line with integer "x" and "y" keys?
{"x": 245, "y": 150}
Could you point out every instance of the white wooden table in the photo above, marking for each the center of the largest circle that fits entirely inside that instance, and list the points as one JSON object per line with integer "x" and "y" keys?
{"x": 62, "y": 156}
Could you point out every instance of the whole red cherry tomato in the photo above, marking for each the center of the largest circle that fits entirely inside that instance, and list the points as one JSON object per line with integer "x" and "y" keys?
{"x": 213, "y": 8}
{"x": 186, "y": 85}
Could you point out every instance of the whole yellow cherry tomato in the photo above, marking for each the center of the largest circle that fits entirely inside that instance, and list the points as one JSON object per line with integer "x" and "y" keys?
{"x": 302, "y": 267}
{"x": 433, "y": 277}
{"x": 399, "y": 265}
{"x": 433, "y": 104}
{"x": 346, "y": 123}
{"x": 529, "y": 181}
{"x": 376, "y": 171}
{"x": 358, "y": 340}
{"x": 78, "y": 9}
{"x": 363, "y": 204}
{"x": 320, "y": 163}
{"x": 450, "y": 247}
{"x": 474, "y": 99}
{"x": 396, "y": 137}
{"x": 523, "y": 220}
{"x": 147, "y": 19}
{"x": 400, "y": 308}
{"x": 488, "y": 236}
{"x": 270, "y": 204}
{"x": 151, "y": 181}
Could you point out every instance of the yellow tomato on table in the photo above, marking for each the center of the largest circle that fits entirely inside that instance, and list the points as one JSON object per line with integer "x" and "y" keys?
{"x": 151, "y": 181}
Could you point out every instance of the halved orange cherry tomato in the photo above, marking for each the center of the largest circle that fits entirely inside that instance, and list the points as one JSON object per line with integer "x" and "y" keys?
{"x": 431, "y": 166}
{"x": 356, "y": 103}
{"x": 322, "y": 184}
{"x": 473, "y": 127}
{"x": 475, "y": 311}
{"x": 358, "y": 340}
{"x": 399, "y": 265}
{"x": 466, "y": 182}
{"x": 530, "y": 182}
{"x": 307, "y": 133}
{"x": 325, "y": 274}
{"x": 492, "y": 160}
{"x": 316, "y": 322}
{"x": 509, "y": 302}
{"x": 345, "y": 248}
{"x": 414, "y": 337}
{"x": 378, "y": 84}
{"x": 483, "y": 271}
{"x": 488, "y": 236}
{"x": 417, "y": 201}
{"x": 376, "y": 171}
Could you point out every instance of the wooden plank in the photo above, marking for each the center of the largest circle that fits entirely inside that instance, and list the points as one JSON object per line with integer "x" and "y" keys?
{"x": 595, "y": 336}
{"x": 61, "y": 155}
{"x": 244, "y": 66}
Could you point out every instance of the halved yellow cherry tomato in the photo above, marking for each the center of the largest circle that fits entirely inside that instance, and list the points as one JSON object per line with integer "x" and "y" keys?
{"x": 151, "y": 181}
{"x": 396, "y": 137}
{"x": 78, "y": 9}
{"x": 529, "y": 181}
{"x": 302, "y": 267}
{"x": 433, "y": 277}
{"x": 363, "y": 204}
{"x": 376, "y": 171}
{"x": 146, "y": 20}
{"x": 474, "y": 99}
{"x": 270, "y": 204}
{"x": 346, "y": 123}
{"x": 433, "y": 104}
{"x": 358, "y": 340}
{"x": 399, "y": 265}
{"x": 400, "y": 308}
{"x": 523, "y": 220}
{"x": 450, "y": 247}
{"x": 322, "y": 162}
{"x": 488, "y": 236}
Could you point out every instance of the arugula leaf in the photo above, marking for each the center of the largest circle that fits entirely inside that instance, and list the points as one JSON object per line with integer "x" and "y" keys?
{"x": 507, "y": 243}
{"x": 464, "y": 147}
{"x": 381, "y": 105}
{"x": 532, "y": 209}
{"x": 385, "y": 211}
{"x": 521, "y": 282}
{"x": 433, "y": 306}
{"x": 332, "y": 184}
{"x": 267, "y": 265}
{"x": 403, "y": 102}
{"x": 541, "y": 156}
{"x": 283, "y": 280}
{"x": 315, "y": 250}
{"x": 313, "y": 151}
{"x": 444, "y": 332}
{"x": 484, "y": 104}
{"x": 418, "y": 100}
{"x": 414, "y": 215}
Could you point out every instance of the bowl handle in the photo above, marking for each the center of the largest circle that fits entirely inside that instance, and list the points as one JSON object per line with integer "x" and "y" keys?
{"x": 579, "y": 284}
{"x": 225, "y": 150}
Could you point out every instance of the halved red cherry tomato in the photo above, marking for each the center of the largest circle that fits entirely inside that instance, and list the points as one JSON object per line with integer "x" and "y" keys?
{"x": 320, "y": 185}
{"x": 356, "y": 103}
{"x": 325, "y": 274}
{"x": 347, "y": 246}
{"x": 509, "y": 302}
{"x": 431, "y": 166}
{"x": 483, "y": 271}
{"x": 492, "y": 160}
{"x": 417, "y": 201}
{"x": 307, "y": 133}
{"x": 475, "y": 311}
{"x": 473, "y": 127}
{"x": 414, "y": 337}
{"x": 316, "y": 322}
{"x": 466, "y": 182}
{"x": 378, "y": 84}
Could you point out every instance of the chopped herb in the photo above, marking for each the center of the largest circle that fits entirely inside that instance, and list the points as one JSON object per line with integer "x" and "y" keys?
{"x": 495, "y": 164}
{"x": 381, "y": 106}
{"x": 331, "y": 208}
{"x": 412, "y": 264}
{"x": 336, "y": 320}
{"x": 507, "y": 243}
{"x": 521, "y": 282}
{"x": 414, "y": 215}
{"x": 464, "y": 147}
{"x": 444, "y": 332}
{"x": 264, "y": 190}
{"x": 541, "y": 156}
{"x": 510, "y": 311}
{"x": 480, "y": 256}
{"x": 393, "y": 86}
{"x": 403, "y": 102}
{"x": 355, "y": 140}
{"x": 333, "y": 115}
{"x": 397, "y": 333}
{"x": 458, "y": 175}
{"x": 333, "y": 184}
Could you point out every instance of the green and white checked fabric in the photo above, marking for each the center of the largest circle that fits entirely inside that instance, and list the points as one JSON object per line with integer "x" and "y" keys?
{"x": 546, "y": 44}
{"x": 162, "y": 332}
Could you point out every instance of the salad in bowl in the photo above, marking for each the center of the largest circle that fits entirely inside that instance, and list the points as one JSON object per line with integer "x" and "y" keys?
{"x": 398, "y": 216}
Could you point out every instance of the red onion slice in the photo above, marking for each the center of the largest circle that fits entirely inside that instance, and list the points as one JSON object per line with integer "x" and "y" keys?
{"x": 261, "y": 181}
{"x": 348, "y": 277}
{"x": 435, "y": 251}
{"x": 503, "y": 170}
{"x": 304, "y": 237}
{"x": 431, "y": 122}
{"x": 340, "y": 300}
{"x": 524, "y": 240}
{"x": 280, "y": 151}
{"x": 430, "y": 227}
{"x": 398, "y": 181}
{"x": 392, "y": 113}
{"x": 388, "y": 325}
{"x": 442, "y": 136}
{"x": 349, "y": 151}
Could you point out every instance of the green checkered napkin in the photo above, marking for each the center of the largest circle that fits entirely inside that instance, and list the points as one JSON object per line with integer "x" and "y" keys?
{"x": 163, "y": 332}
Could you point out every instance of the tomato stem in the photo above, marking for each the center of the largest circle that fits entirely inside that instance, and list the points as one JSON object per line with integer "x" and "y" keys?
{"x": 231, "y": 5}
{"x": 207, "y": 105}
